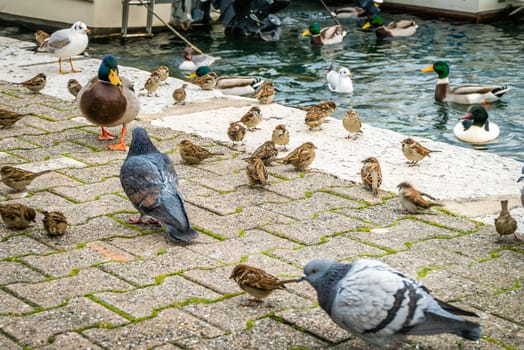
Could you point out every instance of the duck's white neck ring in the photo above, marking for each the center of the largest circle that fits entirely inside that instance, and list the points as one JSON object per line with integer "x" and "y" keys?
{"x": 443, "y": 81}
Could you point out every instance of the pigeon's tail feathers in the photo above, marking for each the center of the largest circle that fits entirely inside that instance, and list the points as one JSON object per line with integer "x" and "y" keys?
{"x": 181, "y": 235}
{"x": 438, "y": 324}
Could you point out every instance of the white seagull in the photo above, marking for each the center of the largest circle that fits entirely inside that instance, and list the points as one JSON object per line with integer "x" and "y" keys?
{"x": 339, "y": 82}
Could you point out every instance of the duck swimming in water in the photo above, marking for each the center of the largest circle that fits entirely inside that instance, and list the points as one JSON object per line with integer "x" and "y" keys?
{"x": 231, "y": 85}
{"x": 475, "y": 127}
{"x": 325, "y": 36}
{"x": 402, "y": 28}
{"x": 464, "y": 94}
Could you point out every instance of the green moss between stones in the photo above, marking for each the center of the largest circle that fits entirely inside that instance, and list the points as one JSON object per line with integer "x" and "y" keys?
{"x": 209, "y": 233}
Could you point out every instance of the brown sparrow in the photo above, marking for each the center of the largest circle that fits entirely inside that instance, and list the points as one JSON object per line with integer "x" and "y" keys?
{"x": 252, "y": 118}
{"x": 236, "y": 132}
{"x": 352, "y": 124}
{"x": 267, "y": 152}
{"x": 414, "y": 151}
{"x": 371, "y": 174}
{"x": 301, "y": 157}
{"x": 505, "y": 224}
{"x": 411, "y": 200}
{"x": 152, "y": 84}
{"x": 256, "y": 282}
{"x": 256, "y": 171}
{"x": 163, "y": 72}
{"x": 194, "y": 154}
{"x": 207, "y": 81}
{"x": 74, "y": 87}
{"x": 179, "y": 94}
{"x": 41, "y": 36}
{"x": 265, "y": 93}
{"x": 18, "y": 179}
{"x": 280, "y": 136}
{"x": 36, "y": 83}
{"x": 9, "y": 118}
{"x": 17, "y": 215}
{"x": 317, "y": 114}
{"x": 55, "y": 223}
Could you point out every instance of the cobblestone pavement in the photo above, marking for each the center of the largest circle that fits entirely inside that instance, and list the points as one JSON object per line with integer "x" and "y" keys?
{"x": 110, "y": 285}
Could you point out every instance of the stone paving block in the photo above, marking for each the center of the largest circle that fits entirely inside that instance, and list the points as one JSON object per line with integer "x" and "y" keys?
{"x": 361, "y": 193}
{"x": 266, "y": 334}
{"x": 8, "y": 344}
{"x": 191, "y": 172}
{"x": 218, "y": 279}
{"x": 22, "y": 245}
{"x": 95, "y": 229}
{"x": 232, "y": 166}
{"x": 14, "y": 272}
{"x": 191, "y": 189}
{"x": 313, "y": 230}
{"x": 10, "y": 143}
{"x": 507, "y": 305}
{"x": 231, "y": 226}
{"x": 304, "y": 209}
{"x": 85, "y": 193}
{"x": 312, "y": 182}
{"x": 9, "y": 159}
{"x": 316, "y": 321}
{"x": 61, "y": 149}
{"x": 143, "y": 301}
{"x": 50, "y": 180}
{"x": 336, "y": 248}
{"x": 144, "y": 272}
{"x": 229, "y": 203}
{"x": 102, "y": 155}
{"x": 95, "y": 173}
{"x": 106, "y": 204}
{"x": 424, "y": 256}
{"x": 233, "y": 314}
{"x": 501, "y": 329}
{"x": 386, "y": 214}
{"x": 448, "y": 221}
{"x": 398, "y": 236}
{"x": 36, "y": 329}
{"x": 504, "y": 271}
{"x": 168, "y": 326}
{"x": 252, "y": 242}
{"x": 229, "y": 182}
{"x": 61, "y": 264}
{"x": 11, "y": 305}
{"x": 71, "y": 341}
{"x": 52, "y": 293}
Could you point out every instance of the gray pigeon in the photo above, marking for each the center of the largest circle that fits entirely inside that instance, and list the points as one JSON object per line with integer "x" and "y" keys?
{"x": 381, "y": 305}
{"x": 151, "y": 183}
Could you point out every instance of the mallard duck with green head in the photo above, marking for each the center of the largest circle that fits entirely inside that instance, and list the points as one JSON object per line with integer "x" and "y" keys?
{"x": 325, "y": 36}
{"x": 231, "y": 85}
{"x": 109, "y": 100}
{"x": 402, "y": 28}
{"x": 463, "y": 94}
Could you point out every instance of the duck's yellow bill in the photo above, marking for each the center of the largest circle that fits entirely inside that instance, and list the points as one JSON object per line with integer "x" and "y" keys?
{"x": 113, "y": 77}
{"x": 366, "y": 25}
{"x": 192, "y": 75}
{"x": 306, "y": 32}
{"x": 427, "y": 69}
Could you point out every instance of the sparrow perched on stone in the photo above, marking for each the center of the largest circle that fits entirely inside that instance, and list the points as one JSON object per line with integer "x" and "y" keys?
{"x": 256, "y": 171}
{"x": 152, "y": 84}
{"x": 41, "y": 36}
{"x": 352, "y": 124}
{"x": 252, "y": 118}
{"x": 163, "y": 72}
{"x": 267, "y": 152}
{"x": 505, "y": 224}
{"x": 236, "y": 132}
{"x": 207, "y": 81}
{"x": 17, "y": 215}
{"x": 194, "y": 154}
{"x": 317, "y": 114}
{"x": 36, "y": 83}
{"x": 179, "y": 94}
{"x": 414, "y": 151}
{"x": 371, "y": 174}
{"x": 18, "y": 179}
{"x": 74, "y": 87}
{"x": 411, "y": 200}
{"x": 280, "y": 136}
{"x": 301, "y": 157}
{"x": 265, "y": 93}
{"x": 256, "y": 282}
{"x": 55, "y": 223}
{"x": 9, "y": 118}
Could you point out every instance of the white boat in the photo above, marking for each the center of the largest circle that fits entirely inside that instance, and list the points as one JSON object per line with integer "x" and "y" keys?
{"x": 101, "y": 16}
{"x": 471, "y": 10}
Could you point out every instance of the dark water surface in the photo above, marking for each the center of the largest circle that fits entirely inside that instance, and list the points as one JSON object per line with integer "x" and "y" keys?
{"x": 390, "y": 91}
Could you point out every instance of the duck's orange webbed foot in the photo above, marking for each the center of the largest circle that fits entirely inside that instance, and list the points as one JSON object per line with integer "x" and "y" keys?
{"x": 106, "y": 135}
